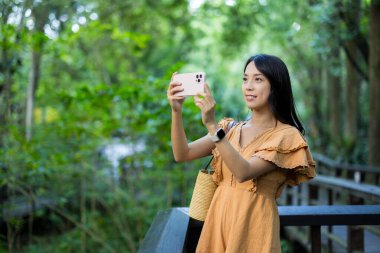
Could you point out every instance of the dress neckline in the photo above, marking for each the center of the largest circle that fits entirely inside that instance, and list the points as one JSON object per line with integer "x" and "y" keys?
{"x": 241, "y": 147}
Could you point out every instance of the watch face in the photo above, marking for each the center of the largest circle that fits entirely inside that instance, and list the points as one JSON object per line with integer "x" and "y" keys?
{"x": 220, "y": 133}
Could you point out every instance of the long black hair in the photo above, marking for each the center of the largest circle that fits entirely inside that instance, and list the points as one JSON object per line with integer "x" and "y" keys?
{"x": 281, "y": 96}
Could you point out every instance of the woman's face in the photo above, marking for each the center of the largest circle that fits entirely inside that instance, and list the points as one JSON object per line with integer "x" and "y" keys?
{"x": 256, "y": 88}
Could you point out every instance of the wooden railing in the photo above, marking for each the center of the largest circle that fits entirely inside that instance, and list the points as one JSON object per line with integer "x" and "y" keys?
{"x": 356, "y": 172}
{"x": 337, "y": 184}
{"x": 172, "y": 231}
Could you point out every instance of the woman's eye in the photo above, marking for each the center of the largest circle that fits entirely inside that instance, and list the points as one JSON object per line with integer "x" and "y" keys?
{"x": 244, "y": 79}
{"x": 258, "y": 80}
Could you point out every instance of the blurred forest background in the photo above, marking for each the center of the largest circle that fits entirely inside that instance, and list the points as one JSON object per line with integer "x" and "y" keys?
{"x": 85, "y": 123}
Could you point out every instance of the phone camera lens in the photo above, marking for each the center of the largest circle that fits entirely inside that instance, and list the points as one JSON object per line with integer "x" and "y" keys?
{"x": 197, "y": 76}
{"x": 199, "y": 80}
{"x": 200, "y": 76}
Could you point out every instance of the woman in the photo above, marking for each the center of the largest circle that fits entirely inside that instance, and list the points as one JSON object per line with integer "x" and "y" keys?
{"x": 253, "y": 160}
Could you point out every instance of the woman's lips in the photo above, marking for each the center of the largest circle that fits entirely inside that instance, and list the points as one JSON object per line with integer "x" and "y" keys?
{"x": 250, "y": 98}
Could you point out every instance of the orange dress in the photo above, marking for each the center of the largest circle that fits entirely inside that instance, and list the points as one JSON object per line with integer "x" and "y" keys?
{"x": 243, "y": 217}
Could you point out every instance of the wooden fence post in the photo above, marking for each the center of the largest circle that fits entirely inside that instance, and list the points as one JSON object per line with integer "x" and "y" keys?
{"x": 355, "y": 234}
{"x": 330, "y": 200}
{"x": 315, "y": 234}
{"x": 313, "y": 194}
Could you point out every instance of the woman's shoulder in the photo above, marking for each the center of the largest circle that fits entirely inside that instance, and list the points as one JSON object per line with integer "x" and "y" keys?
{"x": 287, "y": 130}
{"x": 284, "y": 137}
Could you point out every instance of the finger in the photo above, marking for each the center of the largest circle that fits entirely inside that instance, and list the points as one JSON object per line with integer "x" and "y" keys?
{"x": 207, "y": 101}
{"x": 199, "y": 102}
{"x": 177, "y": 97}
{"x": 200, "y": 94}
{"x": 199, "y": 105}
{"x": 173, "y": 75}
{"x": 198, "y": 99}
{"x": 172, "y": 84}
{"x": 208, "y": 94}
{"x": 207, "y": 89}
{"x": 174, "y": 87}
{"x": 175, "y": 90}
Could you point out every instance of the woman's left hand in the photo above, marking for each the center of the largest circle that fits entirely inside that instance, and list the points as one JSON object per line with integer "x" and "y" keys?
{"x": 206, "y": 103}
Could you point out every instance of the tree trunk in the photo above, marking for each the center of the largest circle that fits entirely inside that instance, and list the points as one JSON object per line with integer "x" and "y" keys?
{"x": 40, "y": 17}
{"x": 334, "y": 91}
{"x": 318, "y": 100}
{"x": 315, "y": 102}
{"x": 358, "y": 37}
{"x": 374, "y": 84}
{"x": 5, "y": 89}
{"x": 32, "y": 87}
{"x": 352, "y": 80}
{"x": 9, "y": 57}
{"x": 351, "y": 101}
{"x": 333, "y": 79}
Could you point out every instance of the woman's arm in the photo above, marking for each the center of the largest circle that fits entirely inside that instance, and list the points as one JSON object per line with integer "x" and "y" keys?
{"x": 181, "y": 149}
{"x": 241, "y": 168}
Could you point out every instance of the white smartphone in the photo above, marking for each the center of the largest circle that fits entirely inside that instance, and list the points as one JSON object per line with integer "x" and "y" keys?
{"x": 192, "y": 83}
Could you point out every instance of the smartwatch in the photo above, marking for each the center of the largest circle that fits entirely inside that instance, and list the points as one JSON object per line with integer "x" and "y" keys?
{"x": 218, "y": 136}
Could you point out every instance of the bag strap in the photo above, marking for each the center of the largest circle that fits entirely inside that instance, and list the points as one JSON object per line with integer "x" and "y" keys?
{"x": 207, "y": 166}
{"x": 230, "y": 126}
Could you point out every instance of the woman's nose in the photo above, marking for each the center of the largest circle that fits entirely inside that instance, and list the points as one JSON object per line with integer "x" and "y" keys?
{"x": 249, "y": 86}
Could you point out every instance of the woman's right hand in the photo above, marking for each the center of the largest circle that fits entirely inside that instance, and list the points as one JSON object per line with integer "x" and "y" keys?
{"x": 175, "y": 101}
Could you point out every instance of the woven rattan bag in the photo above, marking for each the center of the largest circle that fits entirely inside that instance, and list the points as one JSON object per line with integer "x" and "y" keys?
{"x": 203, "y": 193}
{"x": 204, "y": 190}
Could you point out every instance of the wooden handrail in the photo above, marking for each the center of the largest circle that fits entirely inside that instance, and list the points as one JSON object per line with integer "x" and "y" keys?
{"x": 171, "y": 229}
{"x": 363, "y": 190}
{"x": 167, "y": 233}
{"x": 344, "y": 166}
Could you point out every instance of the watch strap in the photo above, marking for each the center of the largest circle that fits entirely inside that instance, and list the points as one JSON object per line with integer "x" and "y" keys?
{"x": 218, "y": 135}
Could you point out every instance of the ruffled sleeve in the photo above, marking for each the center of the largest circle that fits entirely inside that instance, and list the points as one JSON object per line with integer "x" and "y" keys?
{"x": 289, "y": 150}
{"x": 224, "y": 123}
{"x": 216, "y": 163}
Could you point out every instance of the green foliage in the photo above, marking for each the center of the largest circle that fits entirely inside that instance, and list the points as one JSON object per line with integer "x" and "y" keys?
{"x": 94, "y": 87}
{"x": 65, "y": 151}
